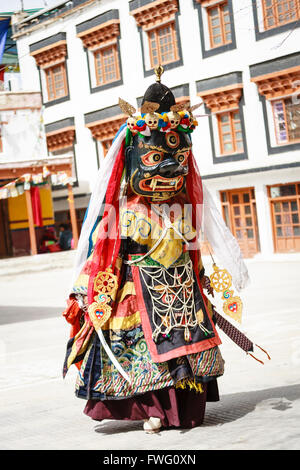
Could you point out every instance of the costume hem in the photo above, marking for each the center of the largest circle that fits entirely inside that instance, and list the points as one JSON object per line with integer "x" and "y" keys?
{"x": 92, "y": 395}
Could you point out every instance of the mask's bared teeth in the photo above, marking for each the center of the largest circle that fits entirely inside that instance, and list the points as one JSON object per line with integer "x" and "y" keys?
{"x": 162, "y": 184}
{"x": 153, "y": 184}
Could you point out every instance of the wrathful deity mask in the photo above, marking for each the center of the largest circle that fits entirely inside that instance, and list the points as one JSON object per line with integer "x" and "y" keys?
{"x": 157, "y": 165}
{"x": 158, "y": 143}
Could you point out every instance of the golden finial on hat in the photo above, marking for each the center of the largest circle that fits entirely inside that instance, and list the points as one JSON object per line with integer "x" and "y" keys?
{"x": 158, "y": 72}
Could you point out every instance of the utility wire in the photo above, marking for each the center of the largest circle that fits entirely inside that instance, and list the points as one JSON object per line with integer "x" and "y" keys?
{"x": 232, "y": 16}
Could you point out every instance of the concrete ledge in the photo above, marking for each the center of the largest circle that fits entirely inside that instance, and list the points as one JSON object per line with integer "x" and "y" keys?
{"x": 259, "y": 257}
{"x": 42, "y": 262}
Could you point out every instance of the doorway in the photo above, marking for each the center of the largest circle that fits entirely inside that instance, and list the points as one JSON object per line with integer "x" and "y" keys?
{"x": 5, "y": 235}
{"x": 239, "y": 213}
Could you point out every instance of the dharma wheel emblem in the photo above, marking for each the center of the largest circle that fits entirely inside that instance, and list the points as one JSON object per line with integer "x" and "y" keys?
{"x": 105, "y": 286}
{"x": 106, "y": 282}
{"x": 220, "y": 279}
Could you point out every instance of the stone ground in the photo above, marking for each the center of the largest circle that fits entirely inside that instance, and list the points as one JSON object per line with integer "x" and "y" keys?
{"x": 259, "y": 407}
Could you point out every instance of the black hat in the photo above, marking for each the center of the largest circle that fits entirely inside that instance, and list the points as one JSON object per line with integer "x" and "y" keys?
{"x": 159, "y": 93}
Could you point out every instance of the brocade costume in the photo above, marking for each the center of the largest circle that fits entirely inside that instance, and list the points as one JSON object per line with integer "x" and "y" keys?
{"x": 145, "y": 342}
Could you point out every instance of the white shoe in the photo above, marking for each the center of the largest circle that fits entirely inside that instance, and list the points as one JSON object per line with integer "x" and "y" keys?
{"x": 152, "y": 425}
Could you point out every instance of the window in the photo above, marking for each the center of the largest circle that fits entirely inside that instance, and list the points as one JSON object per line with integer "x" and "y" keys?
{"x": 60, "y": 142}
{"x": 163, "y": 45}
{"x": 287, "y": 219}
{"x": 50, "y": 56}
{"x": 100, "y": 38}
{"x": 281, "y": 90}
{"x": 219, "y": 25}
{"x": 107, "y": 65}
{"x": 216, "y": 23}
{"x": 104, "y": 129}
{"x": 239, "y": 213}
{"x": 106, "y": 144}
{"x": 287, "y": 120}
{"x": 228, "y": 140}
{"x": 159, "y": 32}
{"x": 279, "y": 12}
{"x": 285, "y": 210}
{"x": 56, "y": 82}
{"x": 230, "y": 133}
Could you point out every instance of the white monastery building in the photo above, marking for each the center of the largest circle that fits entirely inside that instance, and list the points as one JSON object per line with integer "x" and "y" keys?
{"x": 240, "y": 58}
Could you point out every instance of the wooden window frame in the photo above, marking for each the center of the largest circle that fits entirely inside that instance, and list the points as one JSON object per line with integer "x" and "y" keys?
{"x": 279, "y": 199}
{"x": 116, "y": 64}
{"x": 274, "y": 7}
{"x": 288, "y": 141}
{"x": 229, "y": 204}
{"x": 224, "y": 42}
{"x": 292, "y": 183}
{"x": 104, "y": 147}
{"x": 174, "y": 44}
{"x": 232, "y": 132}
{"x": 64, "y": 76}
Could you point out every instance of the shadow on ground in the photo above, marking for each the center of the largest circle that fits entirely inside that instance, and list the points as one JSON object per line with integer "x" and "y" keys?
{"x": 235, "y": 406}
{"x": 18, "y": 313}
{"x": 117, "y": 427}
{"x": 228, "y": 409}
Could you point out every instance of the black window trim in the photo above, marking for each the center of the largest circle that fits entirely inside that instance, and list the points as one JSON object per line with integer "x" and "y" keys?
{"x": 259, "y": 35}
{"x": 215, "y": 50}
{"x": 109, "y": 85}
{"x": 280, "y": 148}
{"x": 49, "y": 103}
{"x": 228, "y": 157}
{"x": 171, "y": 65}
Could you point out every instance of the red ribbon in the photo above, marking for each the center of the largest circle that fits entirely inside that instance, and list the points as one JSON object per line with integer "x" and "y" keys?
{"x": 108, "y": 244}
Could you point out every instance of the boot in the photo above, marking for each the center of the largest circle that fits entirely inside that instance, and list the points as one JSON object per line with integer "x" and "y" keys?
{"x": 152, "y": 425}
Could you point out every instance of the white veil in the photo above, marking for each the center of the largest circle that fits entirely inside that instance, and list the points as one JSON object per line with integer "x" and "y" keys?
{"x": 96, "y": 201}
{"x": 225, "y": 246}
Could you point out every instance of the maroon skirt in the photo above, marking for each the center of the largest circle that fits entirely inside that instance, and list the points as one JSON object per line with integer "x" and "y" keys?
{"x": 175, "y": 407}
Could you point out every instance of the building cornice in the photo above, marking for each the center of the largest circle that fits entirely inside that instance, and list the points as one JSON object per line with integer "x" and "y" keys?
{"x": 208, "y": 3}
{"x": 101, "y": 34}
{"x": 154, "y": 13}
{"x": 50, "y": 55}
{"x": 16, "y": 169}
{"x": 60, "y": 139}
{"x": 222, "y": 99}
{"x": 221, "y": 93}
{"x": 278, "y": 84}
{"x": 107, "y": 128}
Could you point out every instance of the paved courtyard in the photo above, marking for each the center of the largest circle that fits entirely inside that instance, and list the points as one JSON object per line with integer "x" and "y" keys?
{"x": 259, "y": 406}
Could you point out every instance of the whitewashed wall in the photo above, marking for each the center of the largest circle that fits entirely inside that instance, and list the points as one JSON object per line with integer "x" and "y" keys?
{"x": 194, "y": 68}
